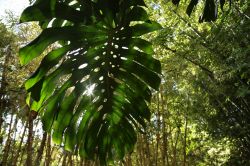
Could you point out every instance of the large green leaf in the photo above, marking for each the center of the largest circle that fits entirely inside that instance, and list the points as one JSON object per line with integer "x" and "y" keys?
{"x": 93, "y": 91}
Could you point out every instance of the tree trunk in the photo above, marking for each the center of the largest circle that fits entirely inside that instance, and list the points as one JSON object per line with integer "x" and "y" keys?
{"x": 185, "y": 142}
{"x": 64, "y": 159}
{"x": 137, "y": 158}
{"x": 32, "y": 116}
{"x": 158, "y": 129}
{"x": 147, "y": 150}
{"x": 140, "y": 149}
{"x": 48, "y": 151}
{"x": 40, "y": 151}
{"x": 175, "y": 148}
{"x": 70, "y": 161}
{"x": 14, "y": 131}
{"x": 22, "y": 154}
{"x": 13, "y": 144}
{"x": 3, "y": 86}
{"x": 7, "y": 144}
{"x": 153, "y": 146}
{"x": 128, "y": 160}
{"x": 59, "y": 160}
{"x": 20, "y": 145}
{"x": 164, "y": 134}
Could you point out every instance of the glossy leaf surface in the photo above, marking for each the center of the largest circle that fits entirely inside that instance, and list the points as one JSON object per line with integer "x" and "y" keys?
{"x": 93, "y": 91}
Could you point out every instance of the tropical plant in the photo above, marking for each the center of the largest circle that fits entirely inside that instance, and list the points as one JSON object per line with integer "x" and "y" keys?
{"x": 93, "y": 91}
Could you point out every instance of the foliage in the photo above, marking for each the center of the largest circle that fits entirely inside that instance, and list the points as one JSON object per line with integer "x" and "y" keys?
{"x": 92, "y": 92}
{"x": 210, "y": 8}
{"x": 199, "y": 116}
{"x": 211, "y": 61}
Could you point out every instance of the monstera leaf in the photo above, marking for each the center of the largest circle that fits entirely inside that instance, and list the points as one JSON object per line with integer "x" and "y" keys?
{"x": 93, "y": 91}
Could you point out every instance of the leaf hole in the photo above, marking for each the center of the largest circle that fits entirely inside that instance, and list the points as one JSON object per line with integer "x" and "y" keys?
{"x": 100, "y": 108}
{"x": 83, "y": 66}
{"x": 136, "y": 48}
{"x": 96, "y": 58}
{"x": 84, "y": 78}
{"x": 110, "y": 75}
{"x": 69, "y": 90}
{"x": 125, "y": 48}
{"x": 95, "y": 99}
{"x": 72, "y": 3}
{"x": 90, "y": 89}
{"x": 75, "y": 52}
{"x": 51, "y": 22}
{"x": 96, "y": 69}
{"x": 101, "y": 78}
{"x": 64, "y": 22}
{"x": 124, "y": 58}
